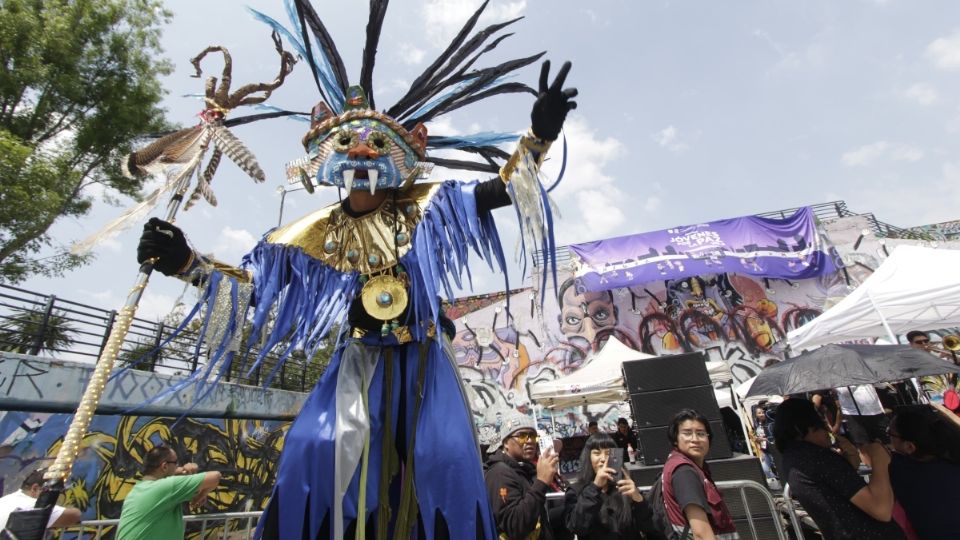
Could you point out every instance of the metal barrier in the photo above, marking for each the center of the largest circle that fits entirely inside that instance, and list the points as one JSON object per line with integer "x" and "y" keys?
{"x": 741, "y": 486}
{"x": 47, "y": 325}
{"x": 791, "y": 511}
{"x": 217, "y": 526}
{"x": 212, "y": 527}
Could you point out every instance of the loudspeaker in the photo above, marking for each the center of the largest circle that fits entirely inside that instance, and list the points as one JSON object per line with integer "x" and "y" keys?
{"x": 739, "y": 467}
{"x": 666, "y": 372}
{"x": 656, "y": 447}
{"x": 657, "y": 408}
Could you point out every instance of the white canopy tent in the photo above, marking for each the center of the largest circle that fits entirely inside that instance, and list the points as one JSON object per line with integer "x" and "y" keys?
{"x": 915, "y": 288}
{"x": 601, "y": 380}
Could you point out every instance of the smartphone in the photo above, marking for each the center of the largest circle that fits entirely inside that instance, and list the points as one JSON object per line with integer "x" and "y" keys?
{"x": 615, "y": 462}
{"x": 545, "y": 441}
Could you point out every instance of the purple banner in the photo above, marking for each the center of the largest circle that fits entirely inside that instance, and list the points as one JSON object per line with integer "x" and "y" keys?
{"x": 776, "y": 248}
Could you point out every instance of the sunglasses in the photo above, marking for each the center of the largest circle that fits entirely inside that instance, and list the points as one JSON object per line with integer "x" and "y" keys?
{"x": 526, "y": 438}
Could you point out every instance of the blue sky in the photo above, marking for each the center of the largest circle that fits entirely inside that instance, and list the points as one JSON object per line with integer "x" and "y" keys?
{"x": 689, "y": 112}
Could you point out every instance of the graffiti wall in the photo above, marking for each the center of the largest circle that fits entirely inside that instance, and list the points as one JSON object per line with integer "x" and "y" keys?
{"x": 245, "y": 451}
{"x": 740, "y": 320}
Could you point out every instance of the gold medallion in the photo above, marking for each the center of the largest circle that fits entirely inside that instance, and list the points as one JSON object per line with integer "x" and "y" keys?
{"x": 384, "y": 297}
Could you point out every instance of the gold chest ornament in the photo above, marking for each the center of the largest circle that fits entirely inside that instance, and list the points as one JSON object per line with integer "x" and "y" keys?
{"x": 371, "y": 245}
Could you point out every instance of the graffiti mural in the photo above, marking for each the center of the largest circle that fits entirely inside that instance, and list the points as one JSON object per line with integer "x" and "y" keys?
{"x": 738, "y": 319}
{"x": 110, "y": 461}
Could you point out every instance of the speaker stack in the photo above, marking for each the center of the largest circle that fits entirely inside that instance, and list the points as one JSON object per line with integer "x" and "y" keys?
{"x": 659, "y": 387}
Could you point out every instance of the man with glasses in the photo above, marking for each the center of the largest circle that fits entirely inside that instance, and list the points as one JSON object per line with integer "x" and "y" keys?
{"x": 26, "y": 497}
{"x": 152, "y": 510}
{"x": 517, "y": 488}
{"x": 693, "y": 502}
{"x": 918, "y": 339}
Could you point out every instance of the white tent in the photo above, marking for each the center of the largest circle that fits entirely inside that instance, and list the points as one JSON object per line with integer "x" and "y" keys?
{"x": 599, "y": 381}
{"x": 915, "y": 288}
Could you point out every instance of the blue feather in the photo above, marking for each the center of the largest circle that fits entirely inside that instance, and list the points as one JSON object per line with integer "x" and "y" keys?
{"x": 327, "y": 80}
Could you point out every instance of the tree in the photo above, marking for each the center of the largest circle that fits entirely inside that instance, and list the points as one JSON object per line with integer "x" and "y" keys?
{"x": 79, "y": 82}
{"x": 31, "y": 331}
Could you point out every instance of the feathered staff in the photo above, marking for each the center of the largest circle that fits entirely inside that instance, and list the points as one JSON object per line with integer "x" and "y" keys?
{"x": 176, "y": 156}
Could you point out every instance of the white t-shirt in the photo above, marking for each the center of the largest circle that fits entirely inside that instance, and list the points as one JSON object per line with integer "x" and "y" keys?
{"x": 867, "y": 401}
{"x": 18, "y": 500}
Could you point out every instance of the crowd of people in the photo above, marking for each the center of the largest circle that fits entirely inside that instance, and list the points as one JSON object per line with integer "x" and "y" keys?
{"x": 604, "y": 502}
{"x": 859, "y": 468}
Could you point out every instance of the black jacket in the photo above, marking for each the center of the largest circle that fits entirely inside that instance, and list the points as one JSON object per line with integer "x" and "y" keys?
{"x": 517, "y": 497}
{"x": 582, "y": 508}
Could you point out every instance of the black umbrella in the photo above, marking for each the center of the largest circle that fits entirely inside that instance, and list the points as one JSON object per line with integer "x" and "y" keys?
{"x": 835, "y": 366}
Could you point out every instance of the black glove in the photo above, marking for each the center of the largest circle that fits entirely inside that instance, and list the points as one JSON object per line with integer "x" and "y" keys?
{"x": 166, "y": 242}
{"x": 553, "y": 103}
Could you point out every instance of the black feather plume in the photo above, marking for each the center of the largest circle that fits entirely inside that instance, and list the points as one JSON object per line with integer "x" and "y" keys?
{"x": 464, "y": 165}
{"x": 418, "y": 85}
{"x": 378, "y": 9}
{"x": 312, "y": 20}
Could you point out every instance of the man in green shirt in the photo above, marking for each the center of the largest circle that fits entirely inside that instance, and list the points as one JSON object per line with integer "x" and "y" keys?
{"x": 152, "y": 509}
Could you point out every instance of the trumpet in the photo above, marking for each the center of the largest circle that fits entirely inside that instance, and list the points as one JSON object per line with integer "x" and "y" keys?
{"x": 948, "y": 344}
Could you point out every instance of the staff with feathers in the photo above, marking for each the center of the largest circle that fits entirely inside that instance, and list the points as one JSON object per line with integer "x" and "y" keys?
{"x": 177, "y": 157}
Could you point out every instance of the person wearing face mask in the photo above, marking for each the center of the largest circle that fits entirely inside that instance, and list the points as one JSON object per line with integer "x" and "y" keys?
{"x": 599, "y": 507}
{"x": 689, "y": 493}
{"x": 517, "y": 488}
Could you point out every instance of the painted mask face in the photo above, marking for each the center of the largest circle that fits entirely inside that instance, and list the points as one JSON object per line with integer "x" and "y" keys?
{"x": 364, "y": 154}
{"x": 360, "y": 149}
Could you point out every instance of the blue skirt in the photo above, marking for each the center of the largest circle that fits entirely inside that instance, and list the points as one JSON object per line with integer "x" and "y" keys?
{"x": 447, "y": 476}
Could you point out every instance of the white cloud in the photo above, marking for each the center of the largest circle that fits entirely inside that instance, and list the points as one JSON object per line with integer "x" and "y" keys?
{"x": 922, "y": 93}
{"x": 906, "y": 153}
{"x": 153, "y": 306}
{"x": 871, "y": 153}
{"x": 410, "y": 54}
{"x": 110, "y": 244}
{"x": 765, "y": 37}
{"x": 669, "y": 138}
{"x": 444, "y": 18}
{"x": 945, "y": 52}
{"x": 813, "y": 56}
{"x": 591, "y": 205}
{"x": 233, "y": 243}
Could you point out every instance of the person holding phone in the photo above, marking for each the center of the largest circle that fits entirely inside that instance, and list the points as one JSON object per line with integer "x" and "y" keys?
{"x": 689, "y": 493}
{"x": 605, "y": 504}
{"x": 827, "y": 485}
{"x": 516, "y": 487}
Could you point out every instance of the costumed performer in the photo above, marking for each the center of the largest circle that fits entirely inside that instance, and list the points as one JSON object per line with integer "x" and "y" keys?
{"x": 385, "y": 444}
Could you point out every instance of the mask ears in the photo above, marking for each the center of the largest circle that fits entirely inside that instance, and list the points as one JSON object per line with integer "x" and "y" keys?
{"x": 419, "y": 133}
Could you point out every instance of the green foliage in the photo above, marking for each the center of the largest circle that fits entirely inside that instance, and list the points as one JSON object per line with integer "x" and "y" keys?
{"x": 25, "y": 329}
{"x": 79, "y": 82}
{"x": 138, "y": 356}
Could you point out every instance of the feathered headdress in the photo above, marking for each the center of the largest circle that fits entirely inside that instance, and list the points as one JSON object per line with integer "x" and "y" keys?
{"x": 451, "y": 81}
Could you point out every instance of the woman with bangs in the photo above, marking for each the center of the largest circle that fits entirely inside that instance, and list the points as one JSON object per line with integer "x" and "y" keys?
{"x": 601, "y": 508}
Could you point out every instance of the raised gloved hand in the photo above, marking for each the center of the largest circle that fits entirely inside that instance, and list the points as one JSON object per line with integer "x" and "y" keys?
{"x": 165, "y": 242}
{"x": 553, "y": 103}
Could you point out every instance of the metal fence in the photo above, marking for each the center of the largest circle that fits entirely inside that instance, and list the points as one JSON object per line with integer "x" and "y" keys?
{"x": 240, "y": 525}
{"x": 40, "y": 324}
{"x": 225, "y": 526}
